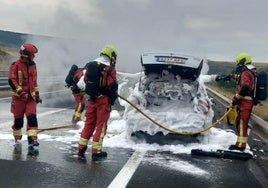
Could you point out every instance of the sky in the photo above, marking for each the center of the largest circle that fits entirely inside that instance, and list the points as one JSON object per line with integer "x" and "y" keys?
{"x": 216, "y": 30}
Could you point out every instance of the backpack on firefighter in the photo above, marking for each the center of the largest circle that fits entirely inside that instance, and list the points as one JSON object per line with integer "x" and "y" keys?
{"x": 69, "y": 80}
{"x": 94, "y": 82}
{"x": 73, "y": 78}
{"x": 93, "y": 79}
{"x": 260, "y": 90}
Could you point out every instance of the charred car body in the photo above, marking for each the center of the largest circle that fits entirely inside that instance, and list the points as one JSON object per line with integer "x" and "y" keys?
{"x": 170, "y": 92}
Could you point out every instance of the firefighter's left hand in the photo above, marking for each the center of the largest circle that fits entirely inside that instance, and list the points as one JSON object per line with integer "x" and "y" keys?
{"x": 218, "y": 78}
{"x": 112, "y": 98}
{"x": 24, "y": 96}
{"x": 235, "y": 100}
{"x": 38, "y": 100}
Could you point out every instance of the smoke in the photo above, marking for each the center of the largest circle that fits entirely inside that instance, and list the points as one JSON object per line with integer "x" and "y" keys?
{"x": 54, "y": 59}
{"x": 56, "y": 56}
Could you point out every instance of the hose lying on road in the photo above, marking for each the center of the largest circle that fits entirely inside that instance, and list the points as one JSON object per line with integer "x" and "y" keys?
{"x": 153, "y": 121}
{"x": 57, "y": 127}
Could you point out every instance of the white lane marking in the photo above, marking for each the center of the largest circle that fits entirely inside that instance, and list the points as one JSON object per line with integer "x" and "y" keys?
{"x": 50, "y": 112}
{"x": 125, "y": 174}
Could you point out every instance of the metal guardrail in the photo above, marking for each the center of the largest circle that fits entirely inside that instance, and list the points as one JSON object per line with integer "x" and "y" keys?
{"x": 44, "y": 80}
{"x": 3, "y": 73}
{"x": 256, "y": 120}
{"x": 4, "y": 79}
{"x": 4, "y": 83}
{"x": 4, "y": 87}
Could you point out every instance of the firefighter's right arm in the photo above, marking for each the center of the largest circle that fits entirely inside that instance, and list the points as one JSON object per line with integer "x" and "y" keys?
{"x": 13, "y": 80}
{"x": 225, "y": 77}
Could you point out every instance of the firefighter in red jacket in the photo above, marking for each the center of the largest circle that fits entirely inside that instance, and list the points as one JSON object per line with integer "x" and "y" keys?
{"x": 79, "y": 96}
{"x": 246, "y": 76}
{"x": 25, "y": 94}
{"x": 99, "y": 107}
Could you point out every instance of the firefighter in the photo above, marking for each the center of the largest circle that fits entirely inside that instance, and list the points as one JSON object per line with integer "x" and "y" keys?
{"x": 79, "y": 95}
{"x": 25, "y": 94}
{"x": 246, "y": 76}
{"x": 98, "y": 109}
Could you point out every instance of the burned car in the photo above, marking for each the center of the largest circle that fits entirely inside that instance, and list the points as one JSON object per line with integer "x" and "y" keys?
{"x": 171, "y": 93}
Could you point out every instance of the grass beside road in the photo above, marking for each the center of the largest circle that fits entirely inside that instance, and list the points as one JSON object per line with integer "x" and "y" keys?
{"x": 260, "y": 110}
{"x": 5, "y": 93}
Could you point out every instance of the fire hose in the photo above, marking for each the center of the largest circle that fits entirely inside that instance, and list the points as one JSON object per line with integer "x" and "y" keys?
{"x": 55, "y": 128}
{"x": 153, "y": 121}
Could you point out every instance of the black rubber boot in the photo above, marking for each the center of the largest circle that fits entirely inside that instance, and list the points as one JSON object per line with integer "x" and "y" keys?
{"x": 32, "y": 142}
{"x": 235, "y": 147}
{"x": 99, "y": 156}
{"x": 81, "y": 153}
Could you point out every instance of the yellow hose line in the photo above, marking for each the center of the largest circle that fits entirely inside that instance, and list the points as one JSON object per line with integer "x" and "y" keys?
{"x": 176, "y": 132}
{"x": 156, "y": 123}
{"x": 54, "y": 128}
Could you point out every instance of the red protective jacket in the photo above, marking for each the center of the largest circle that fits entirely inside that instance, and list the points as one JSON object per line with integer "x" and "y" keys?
{"x": 23, "y": 78}
{"x": 109, "y": 77}
{"x": 246, "y": 82}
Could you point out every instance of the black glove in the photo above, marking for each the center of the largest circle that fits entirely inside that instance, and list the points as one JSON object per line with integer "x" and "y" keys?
{"x": 38, "y": 100}
{"x": 235, "y": 101}
{"x": 227, "y": 78}
{"x": 223, "y": 77}
{"x": 114, "y": 87}
{"x": 76, "y": 89}
{"x": 112, "y": 98}
{"x": 218, "y": 78}
{"x": 255, "y": 101}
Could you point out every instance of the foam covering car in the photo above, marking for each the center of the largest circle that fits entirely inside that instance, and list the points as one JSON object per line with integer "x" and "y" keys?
{"x": 170, "y": 92}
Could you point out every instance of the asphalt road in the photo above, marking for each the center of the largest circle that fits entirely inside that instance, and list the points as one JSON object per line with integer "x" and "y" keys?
{"x": 55, "y": 164}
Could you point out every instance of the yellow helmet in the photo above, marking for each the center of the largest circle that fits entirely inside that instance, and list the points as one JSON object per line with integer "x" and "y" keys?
{"x": 110, "y": 51}
{"x": 243, "y": 58}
